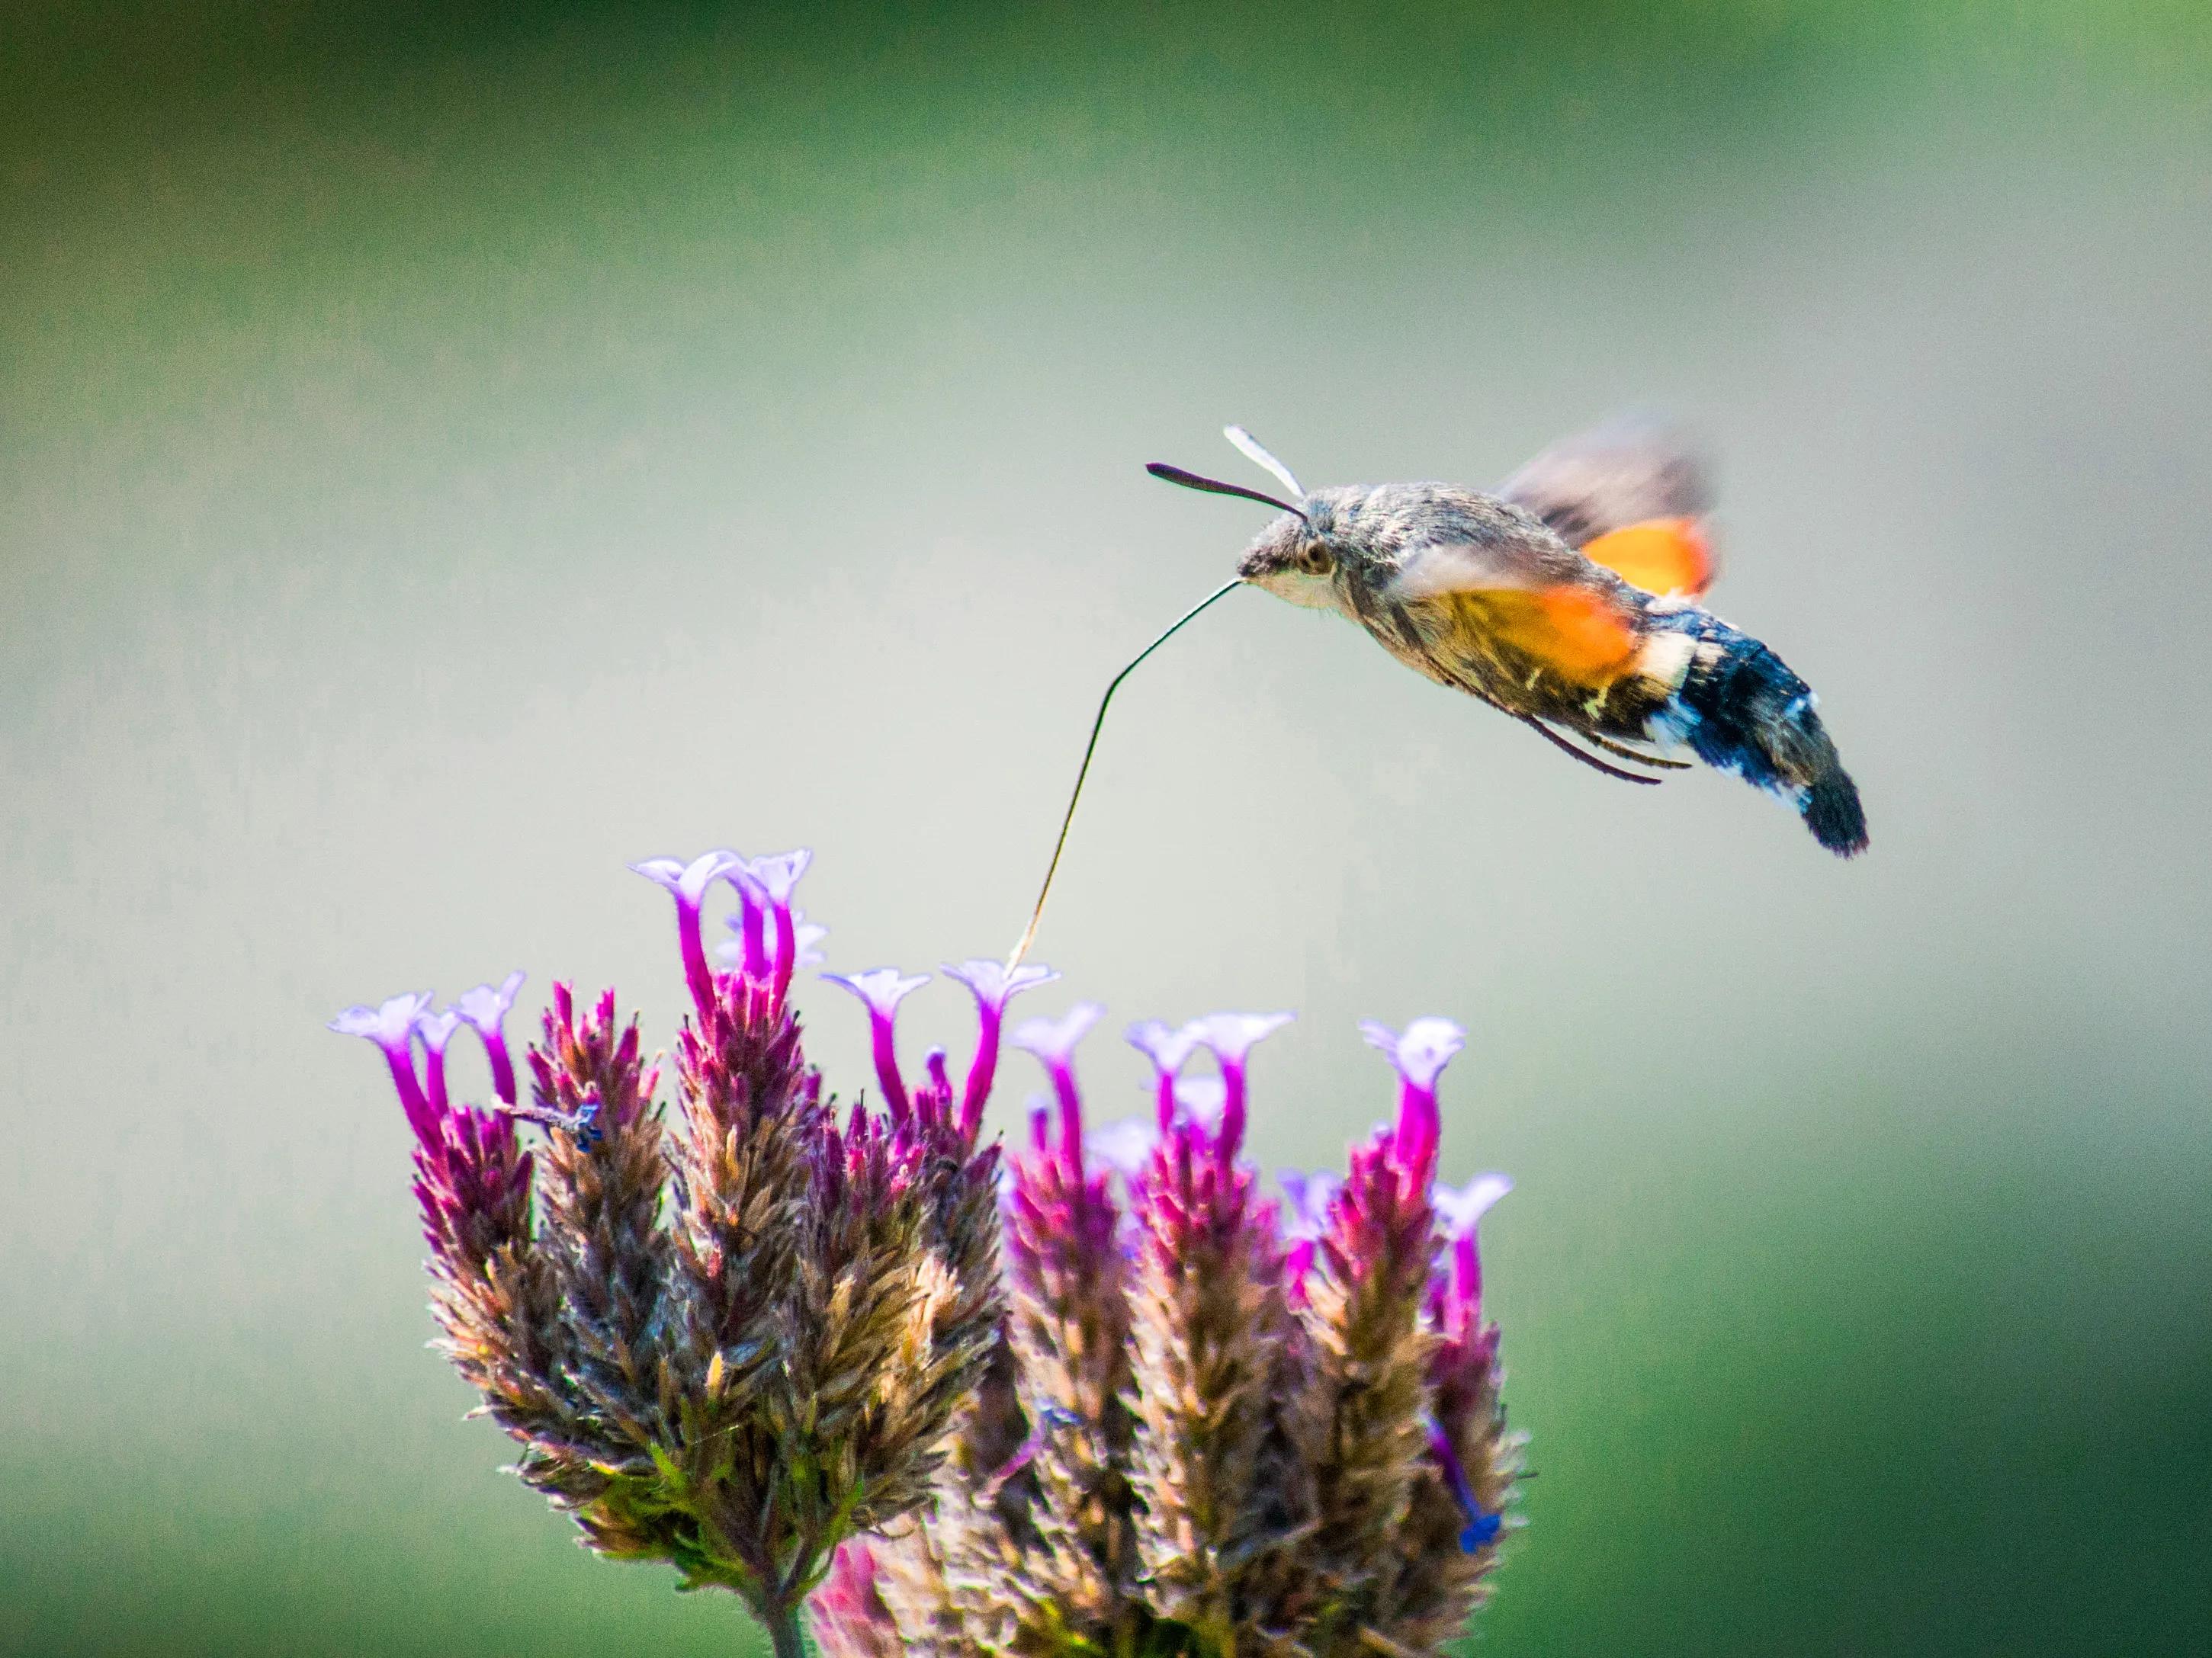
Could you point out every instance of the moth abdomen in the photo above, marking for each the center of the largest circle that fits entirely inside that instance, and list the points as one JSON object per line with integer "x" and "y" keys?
{"x": 1741, "y": 708}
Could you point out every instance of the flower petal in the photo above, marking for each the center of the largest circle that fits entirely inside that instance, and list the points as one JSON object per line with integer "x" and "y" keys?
{"x": 389, "y": 1024}
{"x": 1232, "y": 1035}
{"x": 1169, "y": 1050}
{"x": 436, "y": 1029}
{"x": 882, "y": 988}
{"x": 991, "y": 984}
{"x": 486, "y": 1007}
{"x": 1123, "y": 1146}
{"x": 1203, "y": 1099}
{"x": 1421, "y": 1052}
{"x": 690, "y": 881}
{"x": 1054, "y": 1040}
{"x": 778, "y": 872}
{"x": 1306, "y": 1199}
{"x": 1460, "y": 1207}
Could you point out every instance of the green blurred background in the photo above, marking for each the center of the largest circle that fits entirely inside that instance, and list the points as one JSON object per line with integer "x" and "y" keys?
{"x": 447, "y": 454}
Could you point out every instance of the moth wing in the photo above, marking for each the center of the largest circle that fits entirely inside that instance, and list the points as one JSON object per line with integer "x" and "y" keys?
{"x": 1461, "y": 566}
{"x": 1660, "y": 556}
{"x": 1629, "y": 471}
{"x": 1475, "y": 597}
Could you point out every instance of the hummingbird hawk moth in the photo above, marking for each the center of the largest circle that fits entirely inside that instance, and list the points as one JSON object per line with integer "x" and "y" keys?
{"x": 1567, "y": 599}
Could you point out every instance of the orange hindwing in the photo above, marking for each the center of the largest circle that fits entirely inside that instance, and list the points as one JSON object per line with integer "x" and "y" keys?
{"x": 1660, "y": 556}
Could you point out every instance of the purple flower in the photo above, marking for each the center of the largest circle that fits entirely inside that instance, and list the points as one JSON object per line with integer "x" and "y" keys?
{"x": 1231, "y": 1036}
{"x": 993, "y": 985}
{"x": 1169, "y": 1051}
{"x": 1306, "y": 1200}
{"x": 687, "y": 883}
{"x": 434, "y": 1031}
{"x": 1203, "y": 1100}
{"x": 1460, "y": 1299}
{"x": 1460, "y": 1207}
{"x": 483, "y": 1010}
{"x": 1420, "y": 1055}
{"x": 1124, "y": 1147}
{"x": 390, "y": 1026}
{"x": 772, "y": 877}
{"x": 883, "y": 990}
{"x": 1053, "y": 1041}
{"x": 805, "y": 935}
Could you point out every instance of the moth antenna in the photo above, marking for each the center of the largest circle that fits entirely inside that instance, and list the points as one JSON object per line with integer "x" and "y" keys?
{"x": 1160, "y": 468}
{"x": 1029, "y": 933}
{"x": 1257, "y": 452}
{"x": 1590, "y": 760}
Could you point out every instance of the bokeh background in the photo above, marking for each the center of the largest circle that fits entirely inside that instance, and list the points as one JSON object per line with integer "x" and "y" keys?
{"x": 448, "y": 453}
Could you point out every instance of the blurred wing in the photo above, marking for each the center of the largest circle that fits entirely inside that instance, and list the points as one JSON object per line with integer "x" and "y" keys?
{"x": 1476, "y": 598}
{"x": 1628, "y": 472}
{"x": 1660, "y": 556}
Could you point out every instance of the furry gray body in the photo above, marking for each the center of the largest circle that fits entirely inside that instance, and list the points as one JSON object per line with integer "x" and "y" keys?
{"x": 1380, "y": 538}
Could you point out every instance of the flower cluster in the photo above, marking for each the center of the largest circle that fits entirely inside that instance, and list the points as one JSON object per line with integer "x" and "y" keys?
{"x": 1216, "y": 1424}
{"x": 769, "y": 1340}
{"x": 732, "y": 1339}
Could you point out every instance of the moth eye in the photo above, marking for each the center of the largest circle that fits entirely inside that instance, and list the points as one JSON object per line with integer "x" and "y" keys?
{"x": 1316, "y": 559}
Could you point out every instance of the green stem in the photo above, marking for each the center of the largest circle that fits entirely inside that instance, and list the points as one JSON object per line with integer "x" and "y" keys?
{"x": 787, "y": 1631}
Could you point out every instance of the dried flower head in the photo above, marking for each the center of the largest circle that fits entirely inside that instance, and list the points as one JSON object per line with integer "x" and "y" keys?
{"x": 735, "y": 1341}
{"x": 1217, "y": 1424}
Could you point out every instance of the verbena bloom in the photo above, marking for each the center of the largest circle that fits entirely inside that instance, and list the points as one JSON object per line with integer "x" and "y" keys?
{"x": 882, "y": 989}
{"x": 770, "y": 1338}
{"x": 1168, "y": 1049}
{"x": 1231, "y": 1037}
{"x": 734, "y": 1336}
{"x": 1053, "y": 1041}
{"x": 1420, "y": 1055}
{"x": 993, "y": 984}
{"x": 1125, "y": 1146}
{"x": 687, "y": 883}
{"x": 390, "y": 1026}
{"x": 435, "y": 1033}
{"x": 1306, "y": 1202}
{"x": 1191, "y": 1440}
{"x": 484, "y": 1010}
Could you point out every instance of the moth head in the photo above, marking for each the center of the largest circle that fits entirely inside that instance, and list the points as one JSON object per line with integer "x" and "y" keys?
{"x": 1292, "y": 557}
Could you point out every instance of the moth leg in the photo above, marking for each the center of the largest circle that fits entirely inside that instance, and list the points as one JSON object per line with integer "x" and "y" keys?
{"x": 1590, "y": 760}
{"x": 1636, "y": 754}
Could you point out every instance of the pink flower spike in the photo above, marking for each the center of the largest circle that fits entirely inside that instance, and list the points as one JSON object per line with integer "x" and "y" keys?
{"x": 1419, "y": 1054}
{"x": 390, "y": 1026}
{"x": 882, "y": 989}
{"x": 1231, "y": 1036}
{"x": 483, "y": 1010}
{"x": 1053, "y": 1041}
{"x": 687, "y": 885}
{"x": 1169, "y": 1051}
{"x": 992, "y": 986}
{"x": 436, "y": 1031}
